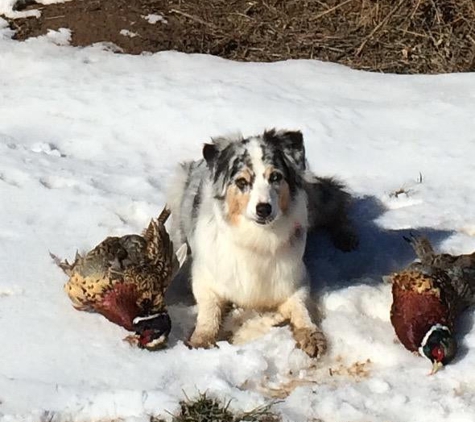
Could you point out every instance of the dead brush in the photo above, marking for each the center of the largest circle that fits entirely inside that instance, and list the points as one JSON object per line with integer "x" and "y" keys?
{"x": 397, "y": 36}
{"x": 207, "y": 409}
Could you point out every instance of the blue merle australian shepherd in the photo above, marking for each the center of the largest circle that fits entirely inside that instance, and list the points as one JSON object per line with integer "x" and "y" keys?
{"x": 245, "y": 210}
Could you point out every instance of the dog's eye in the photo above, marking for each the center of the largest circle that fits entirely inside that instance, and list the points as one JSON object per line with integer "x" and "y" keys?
{"x": 275, "y": 176}
{"x": 241, "y": 183}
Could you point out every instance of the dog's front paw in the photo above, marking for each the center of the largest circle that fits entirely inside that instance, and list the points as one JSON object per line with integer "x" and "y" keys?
{"x": 311, "y": 341}
{"x": 199, "y": 341}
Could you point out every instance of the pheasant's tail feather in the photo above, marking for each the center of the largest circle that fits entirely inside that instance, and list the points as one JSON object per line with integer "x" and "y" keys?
{"x": 422, "y": 248}
{"x": 163, "y": 217}
{"x": 150, "y": 232}
{"x": 159, "y": 244}
{"x": 64, "y": 264}
{"x": 156, "y": 228}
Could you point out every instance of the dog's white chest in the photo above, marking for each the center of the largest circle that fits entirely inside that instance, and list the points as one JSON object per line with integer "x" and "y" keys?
{"x": 247, "y": 278}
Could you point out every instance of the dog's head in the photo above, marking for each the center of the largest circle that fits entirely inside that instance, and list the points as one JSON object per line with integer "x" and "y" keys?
{"x": 256, "y": 178}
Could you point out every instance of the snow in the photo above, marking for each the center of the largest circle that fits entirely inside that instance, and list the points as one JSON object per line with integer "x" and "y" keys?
{"x": 88, "y": 140}
{"x": 154, "y": 18}
{"x": 127, "y": 33}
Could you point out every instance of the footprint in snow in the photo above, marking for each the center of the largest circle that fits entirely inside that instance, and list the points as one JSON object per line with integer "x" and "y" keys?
{"x": 14, "y": 177}
{"x": 47, "y": 148}
{"x": 57, "y": 182}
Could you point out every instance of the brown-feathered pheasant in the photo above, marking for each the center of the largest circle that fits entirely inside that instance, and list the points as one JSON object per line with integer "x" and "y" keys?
{"x": 427, "y": 298}
{"x": 125, "y": 279}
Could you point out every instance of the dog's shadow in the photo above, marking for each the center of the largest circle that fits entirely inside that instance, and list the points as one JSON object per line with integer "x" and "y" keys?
{"x": 380, "y": 251}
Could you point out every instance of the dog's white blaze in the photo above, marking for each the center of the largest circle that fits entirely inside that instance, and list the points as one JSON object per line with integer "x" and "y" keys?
{"x": 262, "y": 191}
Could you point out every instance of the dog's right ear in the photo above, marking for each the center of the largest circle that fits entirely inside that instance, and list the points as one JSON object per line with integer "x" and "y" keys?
{"x": 291, "y": 144}
{"x": 210, "y": 152}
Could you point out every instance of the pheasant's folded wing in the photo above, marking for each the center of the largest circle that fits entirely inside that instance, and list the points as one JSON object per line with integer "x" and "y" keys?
{"x": 463, "y": 283}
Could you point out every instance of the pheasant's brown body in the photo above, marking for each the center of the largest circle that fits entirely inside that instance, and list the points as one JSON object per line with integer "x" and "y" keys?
{"x": 419, "y": 302}
{"x": 428, "y": 296}
{"x": 125, "y": 277}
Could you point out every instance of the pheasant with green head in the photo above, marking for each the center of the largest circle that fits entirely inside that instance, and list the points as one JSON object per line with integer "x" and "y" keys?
{"x": 125, "y": 279}
{"x": 428, "y": 296}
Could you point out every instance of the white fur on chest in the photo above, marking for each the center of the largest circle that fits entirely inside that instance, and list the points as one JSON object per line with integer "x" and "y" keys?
{"x": 250, "y": 266}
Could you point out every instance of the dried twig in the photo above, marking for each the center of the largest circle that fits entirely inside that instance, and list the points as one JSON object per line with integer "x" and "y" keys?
{"x": 326, "y": 12}
{"x": 194, "y": 18}
{"x": 378, "y": 27}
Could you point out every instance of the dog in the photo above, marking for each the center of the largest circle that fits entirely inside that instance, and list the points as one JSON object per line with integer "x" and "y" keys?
{"x": 245, "y": 210}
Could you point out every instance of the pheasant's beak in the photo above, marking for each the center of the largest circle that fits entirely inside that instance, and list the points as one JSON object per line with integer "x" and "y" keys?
{"x": 146, "y": 341}
{"x": 435, "y": 367}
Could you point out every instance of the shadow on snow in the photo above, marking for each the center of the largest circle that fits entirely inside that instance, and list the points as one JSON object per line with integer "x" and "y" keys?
{"x": 380, "y": 251}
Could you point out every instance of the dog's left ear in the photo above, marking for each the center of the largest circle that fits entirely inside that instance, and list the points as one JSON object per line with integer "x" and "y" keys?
{"x": 210, "y": 152}
{"x": 291, "y": 143}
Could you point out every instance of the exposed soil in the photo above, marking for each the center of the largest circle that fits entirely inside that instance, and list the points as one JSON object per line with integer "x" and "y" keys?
{"x": 401, "y": 36}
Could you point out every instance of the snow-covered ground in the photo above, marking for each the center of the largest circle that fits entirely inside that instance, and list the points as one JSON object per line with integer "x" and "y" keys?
{"x": 88, "y": 140}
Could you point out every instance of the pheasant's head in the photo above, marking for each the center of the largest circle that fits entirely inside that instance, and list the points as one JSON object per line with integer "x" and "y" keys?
{"x": 151, "y": 332}
{"x": 438, "y": 346}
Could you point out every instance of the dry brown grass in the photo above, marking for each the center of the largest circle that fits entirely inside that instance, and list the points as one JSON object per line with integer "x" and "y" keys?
{"x": 207, "y": 409}
{"x": 400, "y": 36}
{"x": 403, "y": 36}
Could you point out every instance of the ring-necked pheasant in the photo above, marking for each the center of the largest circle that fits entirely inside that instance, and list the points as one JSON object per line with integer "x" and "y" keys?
{"x": 427, "y": 298}
{"x": 125, "y": 279}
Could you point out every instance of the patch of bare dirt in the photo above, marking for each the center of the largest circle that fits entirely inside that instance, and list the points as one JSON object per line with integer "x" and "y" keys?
{"x": 398, "y": 36}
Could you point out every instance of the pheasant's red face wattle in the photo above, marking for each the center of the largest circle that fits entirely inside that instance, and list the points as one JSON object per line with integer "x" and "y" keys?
{"x": 438, "y": 354}
{"x": 145, "y": 337}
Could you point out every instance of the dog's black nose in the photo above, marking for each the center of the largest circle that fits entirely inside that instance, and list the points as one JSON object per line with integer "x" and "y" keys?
{"x": 263, "y": 209}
